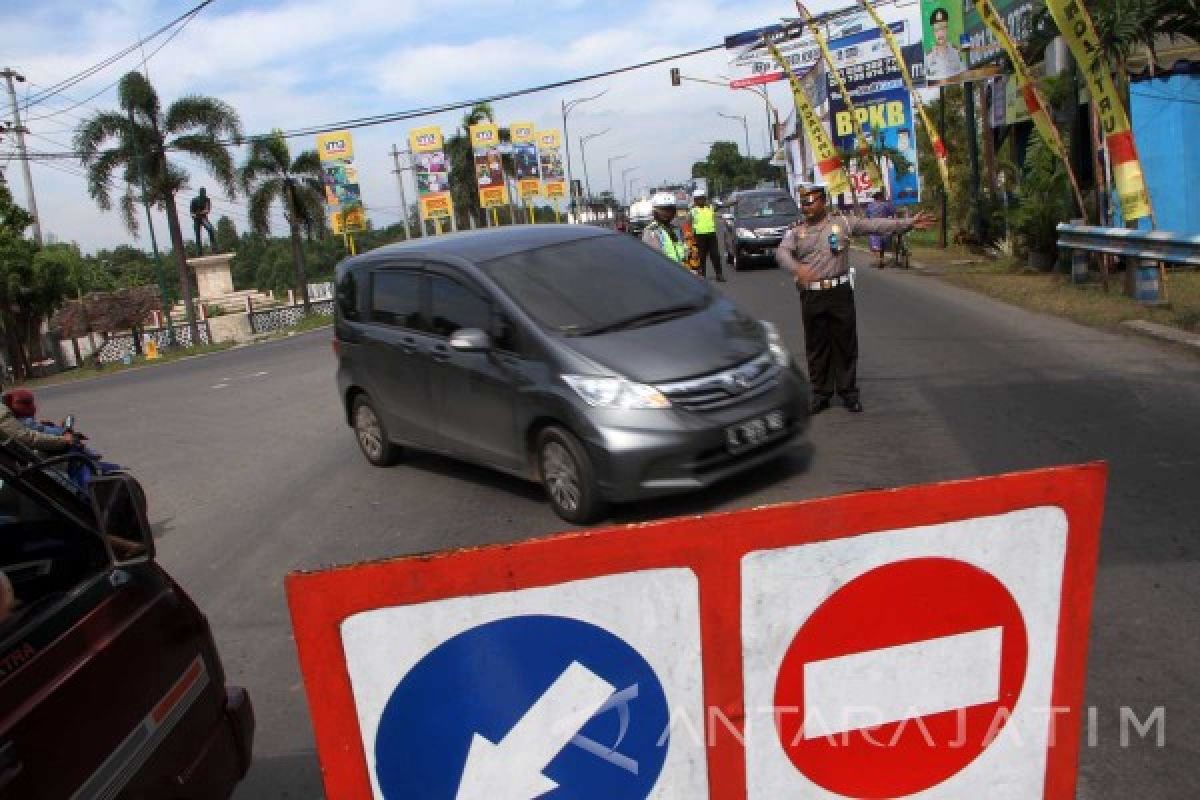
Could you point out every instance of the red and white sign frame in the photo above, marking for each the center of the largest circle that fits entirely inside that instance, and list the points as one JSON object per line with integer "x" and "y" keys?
{"x": 713, "y": 547}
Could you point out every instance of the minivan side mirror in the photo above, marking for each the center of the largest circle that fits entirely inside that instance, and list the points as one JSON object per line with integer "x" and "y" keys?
{"x": 470, "y": 340}
{"x": 119, "y": 503}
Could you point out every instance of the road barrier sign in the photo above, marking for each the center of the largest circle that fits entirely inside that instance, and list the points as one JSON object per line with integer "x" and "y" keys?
{"x": 923, "y": 641}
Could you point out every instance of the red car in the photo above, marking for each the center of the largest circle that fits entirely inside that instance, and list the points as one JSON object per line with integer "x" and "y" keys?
{"x": 110, "y": 683}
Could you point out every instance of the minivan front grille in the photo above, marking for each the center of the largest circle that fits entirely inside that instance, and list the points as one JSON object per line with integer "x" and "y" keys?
{"x": 725, "y": 388}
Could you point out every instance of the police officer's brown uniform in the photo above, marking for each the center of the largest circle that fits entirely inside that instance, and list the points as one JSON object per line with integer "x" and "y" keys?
{"x": 817, "y": 252}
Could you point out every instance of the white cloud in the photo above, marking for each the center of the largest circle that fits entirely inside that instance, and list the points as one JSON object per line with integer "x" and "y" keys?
{"x": 302, "y": 62}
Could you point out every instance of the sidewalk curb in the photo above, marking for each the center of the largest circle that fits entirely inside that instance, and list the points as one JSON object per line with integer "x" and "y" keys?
{"x": 1163, "y": 332}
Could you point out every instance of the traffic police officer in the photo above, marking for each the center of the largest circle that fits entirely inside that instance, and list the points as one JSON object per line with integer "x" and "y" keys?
{"x": 817, "y": 253}
{"x": 661, "y": 234}
{"x": 704, "y": 228}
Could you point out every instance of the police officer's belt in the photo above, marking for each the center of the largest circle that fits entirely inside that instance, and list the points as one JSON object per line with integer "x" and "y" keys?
{"x": 828, "y": 283}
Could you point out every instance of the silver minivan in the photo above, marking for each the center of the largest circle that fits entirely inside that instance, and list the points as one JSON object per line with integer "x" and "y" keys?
{"x": 564, "y": 354}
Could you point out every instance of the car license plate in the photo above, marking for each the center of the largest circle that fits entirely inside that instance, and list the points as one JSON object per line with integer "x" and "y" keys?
{"x": 754, "y": 432}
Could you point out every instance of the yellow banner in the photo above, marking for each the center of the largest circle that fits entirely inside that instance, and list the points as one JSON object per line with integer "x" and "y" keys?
{"x": 522, "y": 133}
{"x": 1076, "y": 27}
{"x": 551, "y": 140}
{"x": 555, "y": 189}
{"x": 336, "y": 146}
{"x": 935, "y": 139}
{"x": 1026, "y": 84}
{"x": 864, "y": 147}
{"x": 436, "y": 206}
{"x": 529, "y": 188}
{"x": 489, "y": 169}
{"x": 425, "y": 140}
{"x": 351, "y": 221}
{"x": 828, "y": 160}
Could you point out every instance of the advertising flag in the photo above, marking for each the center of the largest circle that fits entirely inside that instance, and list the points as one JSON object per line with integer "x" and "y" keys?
{"x": 525, "y": 156}
{"x": 828, "y": 161}
{"x": 1028, "y": 88}
{"x": 432, "y": 172}
{"x": 489, "y": 169}
{"x": 1077, "y": 29}
{"x": 863, "y": 146}
{"x": 549, "y": 147}
{"x": 342, "y": 193}
{"x": 935, "y": 139}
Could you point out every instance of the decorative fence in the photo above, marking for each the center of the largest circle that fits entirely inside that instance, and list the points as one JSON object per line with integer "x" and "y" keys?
{"x": 275, "y": 319}
{"x": 119, "y": 346}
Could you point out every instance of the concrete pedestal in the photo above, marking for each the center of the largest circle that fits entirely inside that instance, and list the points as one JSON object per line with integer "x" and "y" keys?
{"x": 213, "y": 276}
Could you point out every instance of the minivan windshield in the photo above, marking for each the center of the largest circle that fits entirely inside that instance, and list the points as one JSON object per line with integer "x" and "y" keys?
{"x": 596, "y": 285}
{"x": 767, "y": 205}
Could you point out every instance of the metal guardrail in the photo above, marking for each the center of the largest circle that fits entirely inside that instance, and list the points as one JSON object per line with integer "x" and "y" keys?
{"x": 1171, "y": 248}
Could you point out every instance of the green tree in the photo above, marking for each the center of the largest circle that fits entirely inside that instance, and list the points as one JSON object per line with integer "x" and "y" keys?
{"x": 271, "y": 175}
{"x": 227, "y": 235}
{"x": 138, "y": 139}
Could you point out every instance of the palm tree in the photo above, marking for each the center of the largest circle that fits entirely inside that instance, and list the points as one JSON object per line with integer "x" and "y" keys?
{"x": 138, "y": 140}
{"x": 271, "y": 174}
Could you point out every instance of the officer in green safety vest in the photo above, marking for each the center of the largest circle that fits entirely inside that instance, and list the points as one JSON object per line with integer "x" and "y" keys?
{"x": 704, "y": 228}
{"x": 661, "y": 234}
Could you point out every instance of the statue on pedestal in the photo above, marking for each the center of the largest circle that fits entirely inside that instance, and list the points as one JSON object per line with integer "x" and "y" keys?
{"x": 201, "y": 207}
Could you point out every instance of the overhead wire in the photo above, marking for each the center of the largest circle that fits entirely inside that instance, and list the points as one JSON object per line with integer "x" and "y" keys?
{"x": 103, "y": 64}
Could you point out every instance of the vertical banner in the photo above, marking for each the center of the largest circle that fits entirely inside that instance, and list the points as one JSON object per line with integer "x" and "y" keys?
{"x": 432, "y": 172}
{"x": 1028, "y": 88}
{"x": 489, "y": 169}
{"x": 549, "y": 145}
{"x": 828, "y": 161}
{"x": 1077, "y": 29}
{"x": 342, "y": 193}
{"x": 525, "y": 156}
{"x": 935, "y": 138}
{"x": 862, "y": 147}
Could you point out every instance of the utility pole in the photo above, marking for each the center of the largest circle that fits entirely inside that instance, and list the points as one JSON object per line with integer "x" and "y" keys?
{"x": 583, "y": 140}
{"x": 10, "y": 75}
{"x": 158, "y": 266}
{"x": 977, "y": 222}
{"x": 567, "y": 108}
{"x": 403, "y": 199}
{"x": 611, "y": 188}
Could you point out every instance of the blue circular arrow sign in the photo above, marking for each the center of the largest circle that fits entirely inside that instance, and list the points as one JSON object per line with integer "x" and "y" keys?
{"x": 524, "y": 707}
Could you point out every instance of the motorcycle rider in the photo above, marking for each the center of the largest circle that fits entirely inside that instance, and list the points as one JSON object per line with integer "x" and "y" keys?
{"x": 18, "y": 407}
{"x": 661, "y": 234}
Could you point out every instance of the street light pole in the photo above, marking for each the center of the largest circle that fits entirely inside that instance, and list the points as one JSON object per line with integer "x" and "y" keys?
{"x": 625, "y": 184}
{"x": 10, "y": 75}
{"x": 745, "y": 127}
{"x": 583, "y": 140}
{"x": 567, "y": 108}
{"x": 611, "y": 189}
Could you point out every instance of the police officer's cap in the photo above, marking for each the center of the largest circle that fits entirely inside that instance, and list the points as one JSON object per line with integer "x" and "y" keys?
{"x": 939, "y": 15}
{"x": 812, "y": 188}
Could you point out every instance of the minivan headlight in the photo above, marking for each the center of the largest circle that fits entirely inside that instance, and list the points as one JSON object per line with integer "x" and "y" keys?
{"x": 746, "y": 233}
{"x": 779, "y": 352}
{"x": 610, "y": 392}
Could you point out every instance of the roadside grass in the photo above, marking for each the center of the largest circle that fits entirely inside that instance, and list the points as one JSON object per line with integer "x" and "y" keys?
{"x": 311, "y": 322}
{"x": 1053, "y": 293}
{"x": 166, "y": 357}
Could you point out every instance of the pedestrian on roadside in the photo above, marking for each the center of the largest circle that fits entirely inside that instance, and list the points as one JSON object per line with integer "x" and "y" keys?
{"x": 661, "y": 234}
{"x": 817, "y": 253}
{"x": 880, "y": 208}
{"x": 704, "y": 228}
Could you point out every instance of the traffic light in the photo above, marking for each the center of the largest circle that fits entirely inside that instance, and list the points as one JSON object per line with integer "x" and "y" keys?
{"x": 675, "y": 80}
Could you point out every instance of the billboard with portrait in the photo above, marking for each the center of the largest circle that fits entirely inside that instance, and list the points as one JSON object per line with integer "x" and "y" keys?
{"x": 343, "y": 195}
{"x": 489, "y": 168}
{"x": 550, "y": 163}
{"x": 525, "y": 159}
{"x": 432, "y": 172}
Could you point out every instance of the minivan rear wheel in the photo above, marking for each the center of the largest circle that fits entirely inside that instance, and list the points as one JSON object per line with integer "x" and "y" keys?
{"x": 372, "y": 436}
{"x": 568, "y": 476}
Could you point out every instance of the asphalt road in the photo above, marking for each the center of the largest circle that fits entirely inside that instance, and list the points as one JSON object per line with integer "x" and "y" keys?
{"x": 252, "y": 472}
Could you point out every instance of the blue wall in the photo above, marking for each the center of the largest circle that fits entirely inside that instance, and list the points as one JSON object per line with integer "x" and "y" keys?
{"x": 1166, "y": 125}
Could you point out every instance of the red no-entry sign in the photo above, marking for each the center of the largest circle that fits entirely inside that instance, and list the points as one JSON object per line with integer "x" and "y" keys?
{"x": 927, "y": 641}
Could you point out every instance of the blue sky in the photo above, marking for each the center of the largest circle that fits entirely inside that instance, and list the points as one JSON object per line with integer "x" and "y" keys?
{"x": 294, "y": 63}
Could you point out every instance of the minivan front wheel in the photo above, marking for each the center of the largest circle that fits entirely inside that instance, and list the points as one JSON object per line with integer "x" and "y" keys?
{"x": 568, "y": 477}
{"x": 372, "y": 436}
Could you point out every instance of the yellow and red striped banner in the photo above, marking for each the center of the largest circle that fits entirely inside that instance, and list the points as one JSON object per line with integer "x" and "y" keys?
{"x": 935, "y": 138}
{"x": 828, "y": 161}
{"x": 864, "y": 147}
{"x": 1077, "y": 28}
